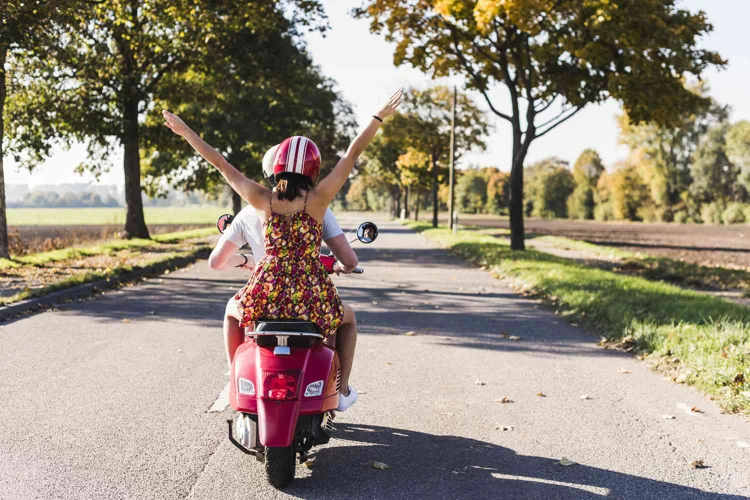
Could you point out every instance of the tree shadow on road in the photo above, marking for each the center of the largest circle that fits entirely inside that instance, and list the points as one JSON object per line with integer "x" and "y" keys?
{"x": 431, "y": 466}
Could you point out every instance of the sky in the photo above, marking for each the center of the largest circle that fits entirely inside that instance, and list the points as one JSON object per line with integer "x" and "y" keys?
{"x": 362, "y": 65}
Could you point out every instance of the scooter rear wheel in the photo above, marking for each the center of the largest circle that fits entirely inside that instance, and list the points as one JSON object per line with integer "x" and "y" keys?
{"x": 281, "y": 465}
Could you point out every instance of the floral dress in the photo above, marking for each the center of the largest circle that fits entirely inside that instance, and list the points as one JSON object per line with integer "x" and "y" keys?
{"x": 290, "y": 282}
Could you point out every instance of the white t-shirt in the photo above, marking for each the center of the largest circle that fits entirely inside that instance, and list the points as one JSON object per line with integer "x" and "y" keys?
{"x": 247, "y": 229}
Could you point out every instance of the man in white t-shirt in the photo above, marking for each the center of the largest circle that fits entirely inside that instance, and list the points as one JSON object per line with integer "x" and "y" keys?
{"x": 247, "y": 229}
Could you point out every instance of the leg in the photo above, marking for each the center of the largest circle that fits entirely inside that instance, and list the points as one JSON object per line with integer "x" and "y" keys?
{"x": 233, "y": 334}
{"x": 346, "y": 342}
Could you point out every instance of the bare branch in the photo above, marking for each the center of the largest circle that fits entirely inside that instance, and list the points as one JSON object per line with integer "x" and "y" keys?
{"x": 561, "y": 121}
{"x": 477, "y": 82}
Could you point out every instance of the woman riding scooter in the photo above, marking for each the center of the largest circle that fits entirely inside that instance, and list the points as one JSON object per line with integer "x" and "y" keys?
{"x": 290, "y": 282}
{"x": 246, "y": 230}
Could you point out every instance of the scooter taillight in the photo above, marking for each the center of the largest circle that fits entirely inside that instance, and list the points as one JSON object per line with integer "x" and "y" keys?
{"x": 280, "y": 385}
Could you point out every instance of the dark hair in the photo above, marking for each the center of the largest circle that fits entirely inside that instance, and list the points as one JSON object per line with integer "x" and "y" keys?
{"x": 290, "y": 185}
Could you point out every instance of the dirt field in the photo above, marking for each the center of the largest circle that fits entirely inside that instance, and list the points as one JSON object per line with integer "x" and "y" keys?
{"x": 32, "y": 239}
{"x": 725, "y": 246}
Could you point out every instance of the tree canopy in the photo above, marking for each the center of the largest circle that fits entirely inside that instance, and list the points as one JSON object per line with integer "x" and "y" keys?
{"x": 554, "y": 58}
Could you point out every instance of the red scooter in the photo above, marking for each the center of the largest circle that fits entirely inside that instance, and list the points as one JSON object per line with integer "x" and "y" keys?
{"x": 284, "y": 385}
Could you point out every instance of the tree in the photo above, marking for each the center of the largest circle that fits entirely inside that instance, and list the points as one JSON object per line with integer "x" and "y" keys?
{"x": 714, "y": 175}
{"x": 550, "y": 184}
{"x": 498, "y": 192}
{"x": 99, "y": 79}
{"x": 666, "y": 151}
{"x": 554, "y": 57}
{"x": 414, "y": 176}
{"x": 738, "y": 150}
{"x": 260, "y": 87}
{"x": 471, "y": 191}
{"x": 586, "y": 172}
{"x": 428, "y": 129}
{"x": 627, "y": 192}
{"x": 24, "y": 26}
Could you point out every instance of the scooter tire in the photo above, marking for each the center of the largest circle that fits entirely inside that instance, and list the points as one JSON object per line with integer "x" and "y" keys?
{"x": 281, "y": 465}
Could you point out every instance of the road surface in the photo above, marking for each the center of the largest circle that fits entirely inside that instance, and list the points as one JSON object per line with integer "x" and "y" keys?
{"x": 110, "y": 398}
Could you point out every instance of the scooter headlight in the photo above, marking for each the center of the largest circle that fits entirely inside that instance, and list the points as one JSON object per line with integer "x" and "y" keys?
{"x": 314, "y": 389}
{"x": 247, "y": 388}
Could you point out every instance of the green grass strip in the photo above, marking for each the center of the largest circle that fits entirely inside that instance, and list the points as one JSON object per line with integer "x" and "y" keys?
{"x": 701, "y": 340}
{"x": 106, "y": 248}
{"x": 97, "y": 275}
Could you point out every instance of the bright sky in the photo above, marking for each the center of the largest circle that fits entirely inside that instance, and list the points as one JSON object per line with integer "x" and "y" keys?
{"x": 362, "y": 64}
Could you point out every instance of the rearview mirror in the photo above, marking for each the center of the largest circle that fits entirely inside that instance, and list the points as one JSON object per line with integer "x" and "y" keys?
{"x": 367, "y": 232}
{"x": 224, "y": 222}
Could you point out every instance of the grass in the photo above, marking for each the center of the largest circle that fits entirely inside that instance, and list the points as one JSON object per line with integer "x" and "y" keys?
{"x": 121, "y": 250}
{"x": 114, "y": 216}
{"x": 97, "y": 275}
{"x": 659, "y": 268}
{"x": 109, "y": 247}
{"x": 700, "y": 340}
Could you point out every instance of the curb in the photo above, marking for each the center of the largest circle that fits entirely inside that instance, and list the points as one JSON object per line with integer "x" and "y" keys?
{"x": 39, "y": 304}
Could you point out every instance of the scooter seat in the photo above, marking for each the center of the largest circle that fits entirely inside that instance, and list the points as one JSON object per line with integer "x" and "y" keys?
{"x": 286, "y": 325}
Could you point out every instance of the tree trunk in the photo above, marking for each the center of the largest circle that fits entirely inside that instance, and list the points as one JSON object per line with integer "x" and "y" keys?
{"x": 397, "y": 197}
{"x": 434, "y": 193}
{"x": 135, "y": 224}
{"x": 406, "y": 202}
{"x": 416, "y": 205}
{"x": 4, "y": 244}
{"x": 516, "y": 196}
{"x": 236, "y": 202}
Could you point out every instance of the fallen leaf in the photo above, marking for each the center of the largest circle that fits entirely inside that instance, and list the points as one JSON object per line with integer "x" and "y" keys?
{"x": 698, "y": 464}
{"x": 126, "y": 320}
{"x": 623, "y": 371}
{"x": 410, "y": 333}
{"x": 668, "y": 417}
{"x": 479, "y": 382}
{"x": 504, "y": 427}
{"x": 310, "y": 463}
{"x": 565, "y": 462}
{"x": 541, "y": 395}
{"x": 388, "y": 363}
{"x": 374, "y": 302}
{"x": 505, "y": 399}
{"x": 514, "y": 337}
{"x": 695, "y": 409}
{"x": 380, "y": 465}
{"x": 585, "y": 397}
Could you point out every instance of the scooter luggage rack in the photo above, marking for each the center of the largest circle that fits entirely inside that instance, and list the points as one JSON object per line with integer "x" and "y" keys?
{"x": 282, "y": 348}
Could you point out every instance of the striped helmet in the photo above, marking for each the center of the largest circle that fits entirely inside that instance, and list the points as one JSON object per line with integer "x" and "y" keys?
{"x": 298, "y": 155}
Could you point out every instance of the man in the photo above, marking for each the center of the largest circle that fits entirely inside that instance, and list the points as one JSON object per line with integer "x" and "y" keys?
{"x": 247, "y": 229}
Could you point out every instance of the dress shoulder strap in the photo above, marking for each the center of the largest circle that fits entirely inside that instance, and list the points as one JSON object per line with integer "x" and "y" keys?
{"x": 270, "y": 201}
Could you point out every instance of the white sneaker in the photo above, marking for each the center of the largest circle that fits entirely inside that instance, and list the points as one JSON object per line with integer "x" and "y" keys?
{"x": 346, "y": 401}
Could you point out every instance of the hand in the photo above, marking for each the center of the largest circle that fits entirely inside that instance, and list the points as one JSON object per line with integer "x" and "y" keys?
{"x": 338, "y": 269}
{"x": 390, "y": 106}
{"x": 175, "y": 123}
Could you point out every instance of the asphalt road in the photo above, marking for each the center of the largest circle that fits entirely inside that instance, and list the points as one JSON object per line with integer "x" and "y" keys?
{"x": 109, "y": 398}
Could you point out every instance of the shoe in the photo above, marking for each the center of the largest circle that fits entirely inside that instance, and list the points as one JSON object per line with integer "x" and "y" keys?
{"x": 346, "y": 401}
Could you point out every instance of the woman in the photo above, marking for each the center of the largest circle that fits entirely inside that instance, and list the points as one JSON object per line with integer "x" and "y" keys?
{"x": 290, "y": 282}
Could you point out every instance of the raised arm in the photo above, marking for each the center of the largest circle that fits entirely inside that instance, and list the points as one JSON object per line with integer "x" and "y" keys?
{"x": 327, "y": 188}
{"x": 252, "y": 192}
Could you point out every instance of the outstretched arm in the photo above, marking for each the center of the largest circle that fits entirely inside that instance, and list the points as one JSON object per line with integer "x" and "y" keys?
{"x": 332, "y": 183}
{"x": 250, "y": 191}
